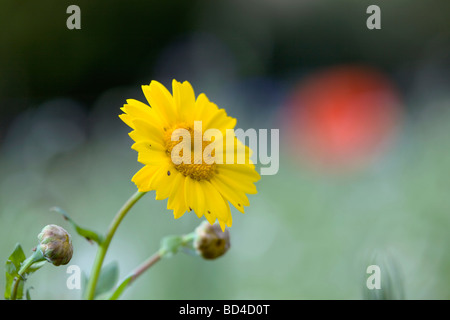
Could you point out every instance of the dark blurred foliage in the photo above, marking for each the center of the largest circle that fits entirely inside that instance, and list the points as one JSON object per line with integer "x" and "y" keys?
{"x": 120, "y": 41}
{"x": 41, "y": 58}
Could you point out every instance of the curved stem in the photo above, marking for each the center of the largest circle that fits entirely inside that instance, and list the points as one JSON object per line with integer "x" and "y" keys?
{"x": 14, "y": 289}
{"x": 103, "y": 247}
{"x": 36, "y": 257}
{"x": 19, "y": 278}
{"x": 145, "y": 266}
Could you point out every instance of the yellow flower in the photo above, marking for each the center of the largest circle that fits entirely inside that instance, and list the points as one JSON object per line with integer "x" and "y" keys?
{"x": 205, "y": 184}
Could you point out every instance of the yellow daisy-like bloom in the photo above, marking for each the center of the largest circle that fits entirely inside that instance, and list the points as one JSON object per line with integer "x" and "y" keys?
{"x": 204, "y": 186}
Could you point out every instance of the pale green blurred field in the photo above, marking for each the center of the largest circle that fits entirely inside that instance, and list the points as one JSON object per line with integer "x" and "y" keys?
{"x": 305, "y": 235}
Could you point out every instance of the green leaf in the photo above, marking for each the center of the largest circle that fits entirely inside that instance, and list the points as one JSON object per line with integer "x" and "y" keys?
{"x": 108, "y": 278}
{"x": 114, "y": 295}
{"x": 12, "y": 268}
{"x": 86, "y": 233}
{"x": 9, "y": 284}
{"x": 16, "y": 257}
{"x": 18, "y": 267}
{"x": 171, "y": 245}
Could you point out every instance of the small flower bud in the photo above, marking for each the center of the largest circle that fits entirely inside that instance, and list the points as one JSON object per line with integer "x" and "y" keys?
{"x": 55, "y": 244}
{"x": 210, "y": 241}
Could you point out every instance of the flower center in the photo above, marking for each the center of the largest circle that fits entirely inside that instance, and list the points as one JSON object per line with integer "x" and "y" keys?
{"x": 196, "y": 168}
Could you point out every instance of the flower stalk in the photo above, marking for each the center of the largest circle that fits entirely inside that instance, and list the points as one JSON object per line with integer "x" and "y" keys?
{"x": 104, "y": 245}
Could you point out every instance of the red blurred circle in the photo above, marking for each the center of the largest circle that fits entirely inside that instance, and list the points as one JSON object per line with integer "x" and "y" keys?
{"x": 342, "y": 117}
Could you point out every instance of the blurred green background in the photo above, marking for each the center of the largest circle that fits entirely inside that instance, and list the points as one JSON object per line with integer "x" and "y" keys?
{"x": 314, "y": 227}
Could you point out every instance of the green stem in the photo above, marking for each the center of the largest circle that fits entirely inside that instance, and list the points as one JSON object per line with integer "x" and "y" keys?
{"x": 188, "y": 238}
{"x": 145, "y": 266}
{"x": 103, "y": 247}
{"x": 36, "y": 257}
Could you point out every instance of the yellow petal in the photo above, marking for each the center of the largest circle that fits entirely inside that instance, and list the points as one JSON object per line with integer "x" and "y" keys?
{"x": 220, "y": 121}
{"x": 229, "y": 222}
{"x": 137, "y": 137}
{"x": 149, "y": 155}
{"x": 236, "y": 197}
{"x": 139, "y": 110}
{"x": 236, "y": 180}
{"x": 204, "y": 110}
{"x": 176, "y": 200}
{"x": 163, "y": 181}
{"x": 143, "y": 177}
{"x": 243, "y": 171}
{"x": 215, "y": 204}
{"x": 148, "y": 130}
{"x": 145, "y": 145}
{"x": 161, "y": 101}
{"x": 127, "y": 119}
{"x": 222, "y": 225}
{"x": 194, "y": 196}
{"x": 184, "y": 100}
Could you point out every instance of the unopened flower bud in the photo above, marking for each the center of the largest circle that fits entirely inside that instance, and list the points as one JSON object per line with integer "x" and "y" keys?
{"x": 55, "y": 244}
{"x": 210, "y": 241}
